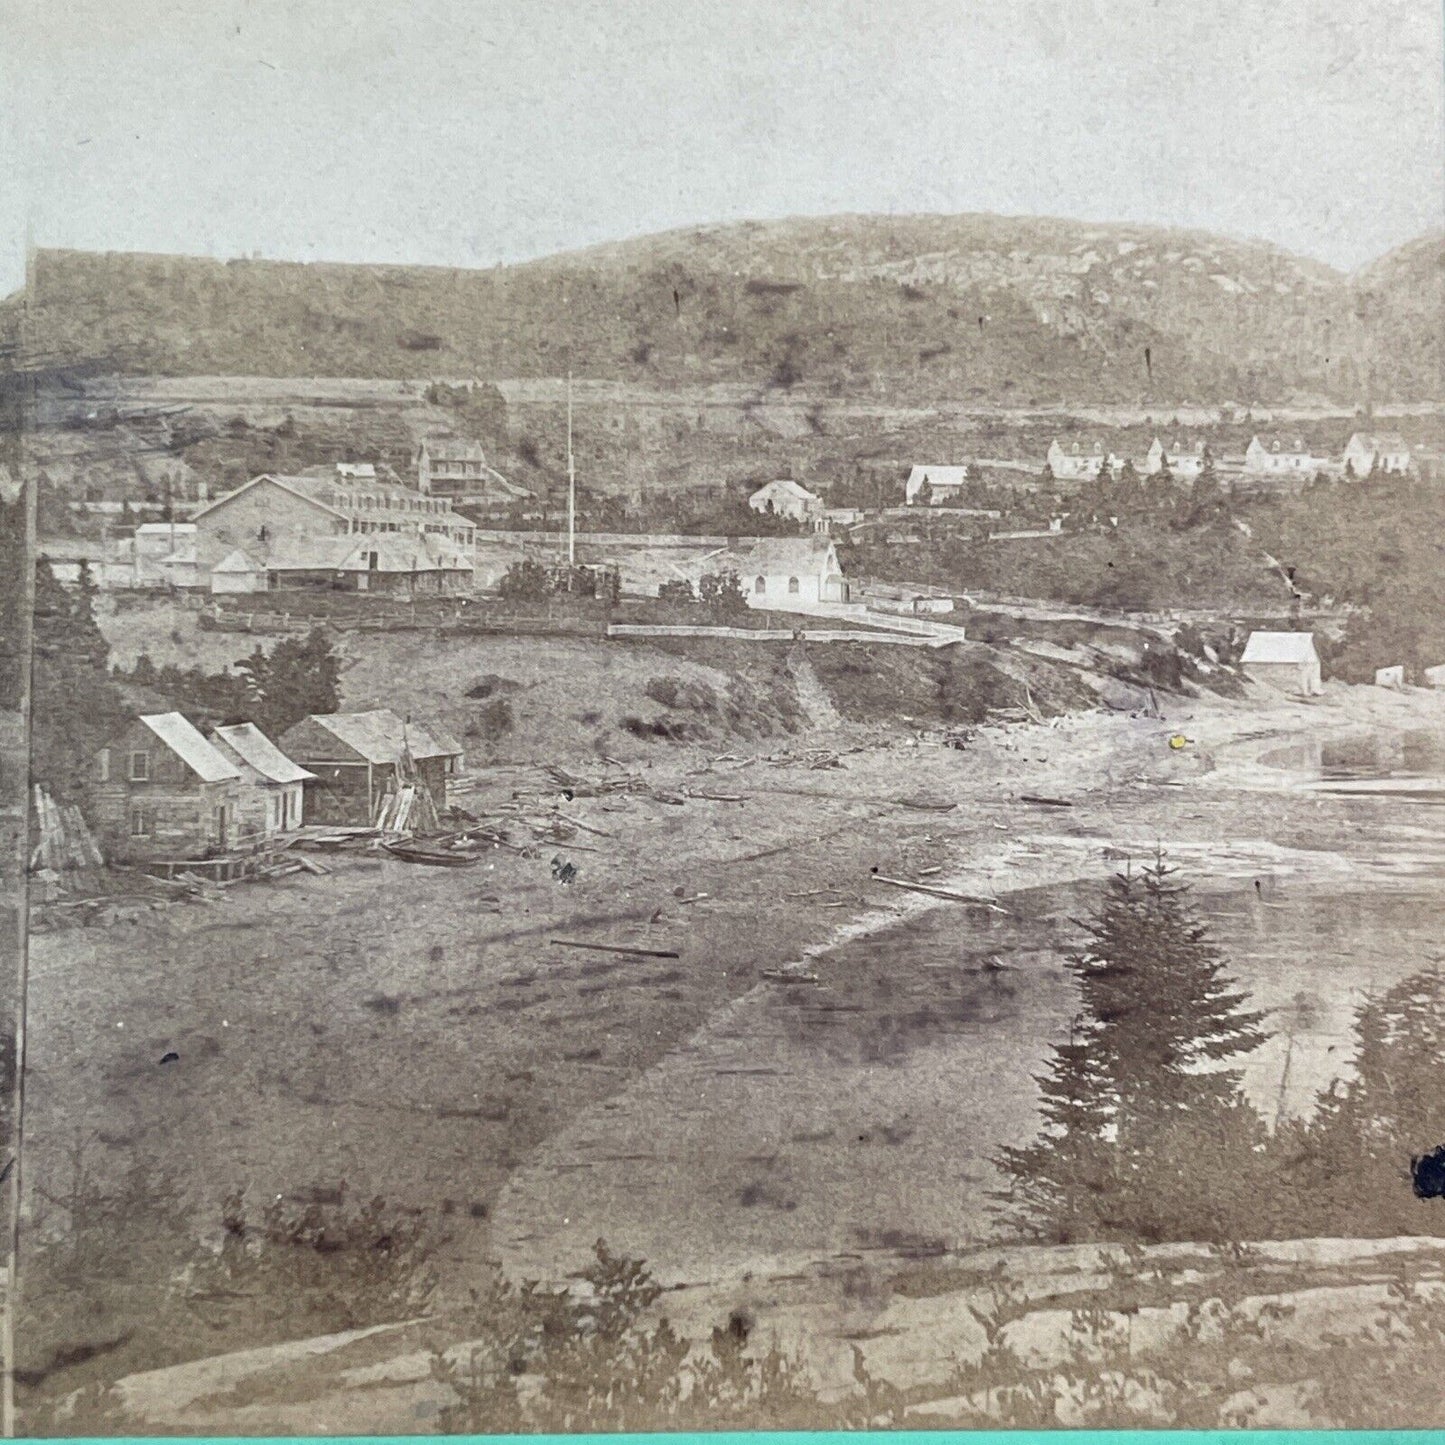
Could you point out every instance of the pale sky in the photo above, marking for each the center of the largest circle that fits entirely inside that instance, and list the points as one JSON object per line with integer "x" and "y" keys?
{"x": 468, "y": 132}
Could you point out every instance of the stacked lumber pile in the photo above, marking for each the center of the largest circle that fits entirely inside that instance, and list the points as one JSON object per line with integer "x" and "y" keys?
{"x": 65, "y": 842}
{"x": 407, "y": 808}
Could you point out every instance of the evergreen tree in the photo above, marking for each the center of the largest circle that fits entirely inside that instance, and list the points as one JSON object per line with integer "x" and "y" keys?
{"x": 298, "y": 677}
{"x": 1347, "y": 1171}
{"x": 1207, "y": 500}
{"x": 1146, "y": 1133}
{"x": 75, "y": 706}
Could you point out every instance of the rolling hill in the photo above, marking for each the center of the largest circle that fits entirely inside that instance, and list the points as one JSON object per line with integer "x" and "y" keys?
{"x": 915, "y": 309}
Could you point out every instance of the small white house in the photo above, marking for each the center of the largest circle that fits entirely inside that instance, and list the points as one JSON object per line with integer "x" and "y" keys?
{"x": 1273, "y": 457}
{"x": 786, "y": 498}
{"x": 1080, "y": 463}
{"x": 1391, "y": 677}
{"x": 1364, "y": 449}
{"x": 1435, "y": 676}
{"x": 1186, "y": 459}
{"x": 1285, "y": 661}
{"x": 940, "y": 483}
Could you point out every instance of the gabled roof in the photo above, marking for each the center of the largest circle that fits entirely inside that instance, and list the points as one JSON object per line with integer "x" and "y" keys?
{"x": 403, "y": 552}
{"x": 395, "y": 552}
{"x": 453, "y": 449}
{"x": 346, "y": 497}
{"x": 183, "y": 739}
{"x": 1287, "y": 445}
{"x": 1385, "y": 441}
{"x": 379, "y": 736}
{"x": 297, "y": 486}
{"x": 792, "y": 488}
{"x": 252, "y": 746}
{"x": 165, "y": 529}
{"x": 1280, "y": 647}
{"x": 937, "y": 476}
{"x": 781, "y": 554}
{"x": 237, "y": 561}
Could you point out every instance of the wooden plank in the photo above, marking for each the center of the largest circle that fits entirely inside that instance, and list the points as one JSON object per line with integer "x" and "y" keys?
{"x": 946, "y": 893}
{"x": 614, "y": 948}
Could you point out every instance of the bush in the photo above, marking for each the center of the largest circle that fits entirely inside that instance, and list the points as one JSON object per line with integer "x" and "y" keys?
{"x": 490, "y": 683}
{"x": 591, "y": 1364}
{"x": 493, "y": 721}
{"x": 679, "y": 590}
{"x": 673, "y": 692}
{"x": 320, "y": 1266}
{"x": 722, "y": 593}
{"x": 525, "y": 581}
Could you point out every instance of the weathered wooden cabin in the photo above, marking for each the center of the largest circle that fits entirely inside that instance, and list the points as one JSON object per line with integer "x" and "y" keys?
{"x": 355, "y": 757}
{"x": 272, "y": 798}
{"x": 159, "y": 791}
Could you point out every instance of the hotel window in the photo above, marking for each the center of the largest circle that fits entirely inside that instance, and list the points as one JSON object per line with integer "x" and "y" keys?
{"x": 140, "y": 767}
{"x": 792, "y": 586}
{"x": 760, "y": 584}
{"x": 103, "y": 766}
{"x": 139, "y": 824}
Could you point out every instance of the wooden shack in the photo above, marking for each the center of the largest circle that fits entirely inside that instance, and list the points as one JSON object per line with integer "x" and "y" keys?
{"x": 354, "y": 759}
{"x": 159, "y": 791}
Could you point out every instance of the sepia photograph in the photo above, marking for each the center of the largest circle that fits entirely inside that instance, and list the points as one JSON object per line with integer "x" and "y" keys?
{"x": 721, "y": 717}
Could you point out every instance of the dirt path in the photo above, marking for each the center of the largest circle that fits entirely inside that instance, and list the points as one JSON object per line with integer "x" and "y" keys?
{"x": 812, "y": 695}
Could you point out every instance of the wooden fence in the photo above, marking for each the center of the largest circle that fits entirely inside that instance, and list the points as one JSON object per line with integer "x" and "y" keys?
{"x": 775, "y": 634}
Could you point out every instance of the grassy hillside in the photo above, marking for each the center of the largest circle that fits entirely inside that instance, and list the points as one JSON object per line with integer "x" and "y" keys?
{"x": 1400, "y": 301}
{"x": 911, "y": 308}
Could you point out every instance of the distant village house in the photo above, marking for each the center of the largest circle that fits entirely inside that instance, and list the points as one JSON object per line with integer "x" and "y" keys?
{"x": 789, "y": 571}
{"x": 1077, "y": 463}
{"x": 270, "y": 512}
{"x": 1364, "y": 451}
{"x": 1285, "y": 661}
{"x": 937, "y": 486}
{"x": 1276, "y": 457}
{"x": 1185, "y": 459}
{"x": 456, "y": 469}
{"x": 786, "y": 498}
{"x": 409, "y": 566}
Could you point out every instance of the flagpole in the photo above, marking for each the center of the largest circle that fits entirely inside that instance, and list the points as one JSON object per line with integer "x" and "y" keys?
{"x": 571, "y": 483}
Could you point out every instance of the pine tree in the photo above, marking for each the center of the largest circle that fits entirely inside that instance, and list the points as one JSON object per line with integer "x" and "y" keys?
{"x": 1348, "y": 1169}
{"x": 75, "y": 706}
{"x": 298, "y": 677}
{"x": 1146, "y": 1133}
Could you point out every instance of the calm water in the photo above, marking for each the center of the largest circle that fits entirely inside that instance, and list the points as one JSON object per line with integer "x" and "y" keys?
{"x": 863, "y": 1115}
{"x": 1374, "y": 754}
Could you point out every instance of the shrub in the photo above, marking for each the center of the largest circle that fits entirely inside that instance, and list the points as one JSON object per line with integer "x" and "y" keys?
{"x": 525, "y": 581}
{"x": 493, "y": 721}
{"x": 673, "y": 692}
{"x": 722, "y": 593}
{"x": 678, "y": 590}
